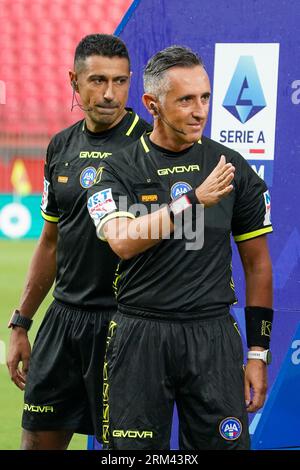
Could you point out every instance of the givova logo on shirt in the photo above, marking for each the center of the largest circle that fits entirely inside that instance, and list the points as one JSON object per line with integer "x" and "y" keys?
{"x": 100, "y": 204}
{"x": 94, "y": 154}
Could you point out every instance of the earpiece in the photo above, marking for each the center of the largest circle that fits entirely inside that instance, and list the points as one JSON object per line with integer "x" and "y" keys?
{"x": 163, "y": 119}
{"x": 74, "y": 85}
{"x": 154, "y": 108}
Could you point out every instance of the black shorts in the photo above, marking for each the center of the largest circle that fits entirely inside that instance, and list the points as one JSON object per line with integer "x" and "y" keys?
{"x": 151, "y": 364}
{"x": 65, "y": 380}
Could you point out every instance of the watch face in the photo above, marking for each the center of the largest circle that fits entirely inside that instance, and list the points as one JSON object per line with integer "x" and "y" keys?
{"x": 268, "y": 357}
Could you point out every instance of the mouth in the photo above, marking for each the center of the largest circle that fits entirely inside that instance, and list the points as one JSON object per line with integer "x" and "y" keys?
{"x": 196, "y": 125}
{"x": 106, "y": 110}
{"x": 101, "y": 106}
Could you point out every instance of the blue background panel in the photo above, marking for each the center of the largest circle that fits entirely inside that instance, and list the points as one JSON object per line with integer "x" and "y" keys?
{"x": 152, "y": 25}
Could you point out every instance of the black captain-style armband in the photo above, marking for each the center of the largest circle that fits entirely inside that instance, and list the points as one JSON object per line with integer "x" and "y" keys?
{"x": 258, "y": 326}
{"x": 180, "y": 204}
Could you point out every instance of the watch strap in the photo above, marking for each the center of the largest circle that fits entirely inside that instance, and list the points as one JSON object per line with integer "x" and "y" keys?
{"x": 180, "y": 204}
{"x": 264, "y": 356}
{"x": 19, "y": 320}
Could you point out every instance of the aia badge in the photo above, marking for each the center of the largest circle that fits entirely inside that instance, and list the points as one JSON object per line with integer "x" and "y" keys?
{"x": 87, "y": 177}
{"x": 230, "y": 428}
{"x": 180, "y": 188}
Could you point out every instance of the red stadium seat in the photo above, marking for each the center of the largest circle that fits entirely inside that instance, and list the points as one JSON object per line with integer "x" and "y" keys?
{"x": 37, "y": 41}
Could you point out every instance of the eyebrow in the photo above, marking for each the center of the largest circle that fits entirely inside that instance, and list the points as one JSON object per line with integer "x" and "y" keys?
{"x": 185, "y": 96}
{"x": 207, "y": 93}
{"x": 104, "y": 77}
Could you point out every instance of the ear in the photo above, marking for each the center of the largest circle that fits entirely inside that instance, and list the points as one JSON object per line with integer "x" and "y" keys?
{"x": 150, "y": 103}
{"x": 130, "y": 77}
{"x": 73, "y": 80}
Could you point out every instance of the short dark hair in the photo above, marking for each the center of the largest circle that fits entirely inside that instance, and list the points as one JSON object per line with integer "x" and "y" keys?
{"x": 105, "y": 45}
{"x": 173, "y": 56}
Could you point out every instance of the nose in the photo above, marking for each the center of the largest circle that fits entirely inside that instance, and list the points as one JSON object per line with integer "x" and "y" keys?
{"x": 109, "y": 93}
{"x": 200, "y": 110}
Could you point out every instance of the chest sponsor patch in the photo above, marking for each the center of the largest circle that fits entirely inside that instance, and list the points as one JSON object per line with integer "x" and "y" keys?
{"x": 149, "y": 197}
{"x": 230, "y": 428}
{"x": 101, "y": 204}
{"x": 87, "y": 177}
{"x": 62, "y": 179}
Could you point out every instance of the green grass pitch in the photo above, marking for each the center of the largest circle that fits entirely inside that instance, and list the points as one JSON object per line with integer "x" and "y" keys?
{"x": 14, "y": 261}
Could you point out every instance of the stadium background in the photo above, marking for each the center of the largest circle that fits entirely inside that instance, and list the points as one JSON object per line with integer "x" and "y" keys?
{"x": 37, "y": 42}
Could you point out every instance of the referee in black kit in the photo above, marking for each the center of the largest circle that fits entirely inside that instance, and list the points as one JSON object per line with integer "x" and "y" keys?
{"x": 173, "y": 338}
{"x": 63, "y": 387}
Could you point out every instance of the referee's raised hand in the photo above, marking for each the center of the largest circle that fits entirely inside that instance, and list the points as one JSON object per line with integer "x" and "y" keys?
{"x": 217, "y": 185}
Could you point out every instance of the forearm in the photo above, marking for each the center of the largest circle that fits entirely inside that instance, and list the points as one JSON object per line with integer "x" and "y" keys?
{"x": 129, "y": 237}
{"x": 259, "y": 291}
{"x": 40, "y": 277}
{"x": 258, "y": 272}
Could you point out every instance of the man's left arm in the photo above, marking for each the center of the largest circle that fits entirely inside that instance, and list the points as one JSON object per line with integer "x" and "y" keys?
{"x": 257, "y": 265}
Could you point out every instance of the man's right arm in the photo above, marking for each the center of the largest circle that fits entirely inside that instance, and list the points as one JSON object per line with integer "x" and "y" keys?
{"x": 41, "y": 273}
{"x": 129, "y": 237}
{"x": 40, "y": 277}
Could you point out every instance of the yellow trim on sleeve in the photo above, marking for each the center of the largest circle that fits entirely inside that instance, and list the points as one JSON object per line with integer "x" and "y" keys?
{"x": 114, "y": 215}
{"x": 49, "y": 218}
{"x": 135, "y": 121}
{"x": 146, "y": 148}
{"x": 256, "y": 233}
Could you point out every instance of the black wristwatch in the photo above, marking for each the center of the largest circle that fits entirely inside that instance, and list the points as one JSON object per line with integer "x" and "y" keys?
{"x": 19, "y": 320}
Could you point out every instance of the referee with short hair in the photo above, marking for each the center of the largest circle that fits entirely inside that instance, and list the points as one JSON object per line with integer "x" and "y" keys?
{"x": 173, "y": 338}
{"x": 63, "y": 386}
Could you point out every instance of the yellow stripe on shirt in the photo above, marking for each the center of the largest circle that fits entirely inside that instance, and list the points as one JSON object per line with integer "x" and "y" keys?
{"x": 249, "y": 235}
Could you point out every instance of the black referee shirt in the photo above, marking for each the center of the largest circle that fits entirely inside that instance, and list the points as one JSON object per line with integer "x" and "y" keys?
{"x": 85, "y": 266}
{"x": 168, "y": 280}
